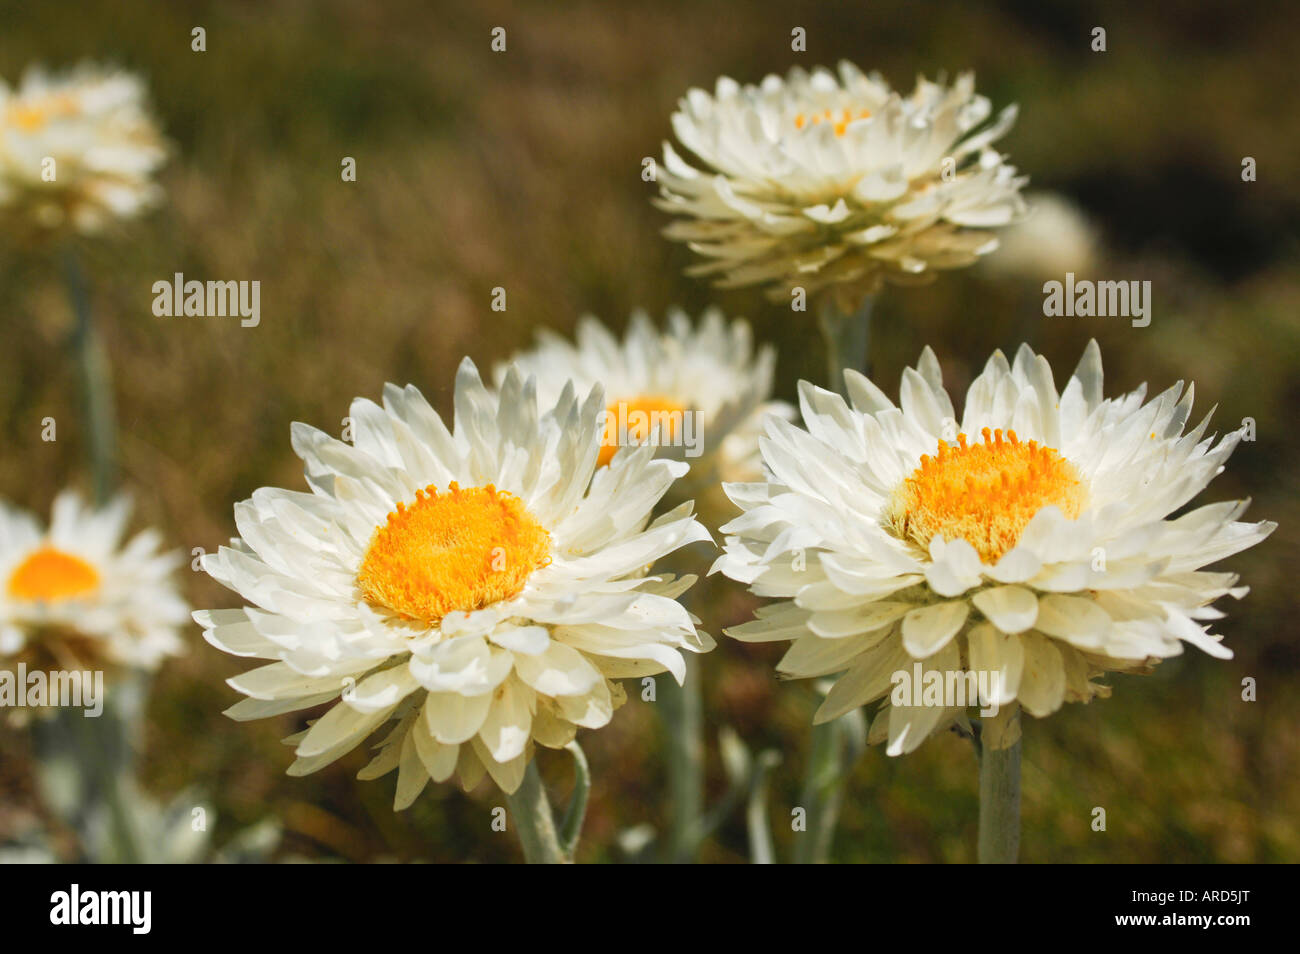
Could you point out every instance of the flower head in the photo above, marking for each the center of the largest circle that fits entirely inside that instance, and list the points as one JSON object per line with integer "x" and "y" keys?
{"x": 1031, "y": 540}
{"x": 823, "y": 182}
{"x": 699, "y": 389}
{"x": 481, "y": 588}
{"x": 74, "y": 597}
{"x": 78, "y": 150}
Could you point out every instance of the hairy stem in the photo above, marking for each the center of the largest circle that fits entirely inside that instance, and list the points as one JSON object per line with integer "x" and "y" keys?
{"x": 95, "y": 376}
{"x": 571, "y": 827}
{"x": 530, "y": 812}
{"x": 999, "y": 839}
{"x": 847, "y": 339}
{"x": 682, "y": 710}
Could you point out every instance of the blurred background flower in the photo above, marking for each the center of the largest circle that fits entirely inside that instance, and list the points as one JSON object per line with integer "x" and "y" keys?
{"x": 705, "y": 382}
{"x": 76, "y": 597}
{"x": 77, "y": 149}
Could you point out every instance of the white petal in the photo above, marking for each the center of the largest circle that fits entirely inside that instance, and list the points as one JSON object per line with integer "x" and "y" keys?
{"x": 869, "y": 679}
{"x": 529, "y": 640}
{"x": 1011, "y": 609}
{"x": 909, "y": 726}
{"x": 439, "y": 760}
{"x": 1042, "y": 683}
{"x": 1001, "y": 653}
{"x": 341, "y": 725}
{"x": 1079, "y": 621}
{"x": 454, "y": 718}
{"x": 507, "y": 775}
{"x": 509, "y": 721}
{"x": 931, "y": 628}
{"x": 559, "y": 671}
{"x": 411, "y": 775}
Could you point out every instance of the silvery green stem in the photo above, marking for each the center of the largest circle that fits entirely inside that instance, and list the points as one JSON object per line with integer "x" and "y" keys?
{"x": 999, "y": 839}
{"x": 761, "y": 851}
{"x": 847, "y": 337}
{"x": 530, "y": 813}
{"x": 101, "y": 747}
{"x": 95, "y": 375}
{"x": 823, "y": 791}
{"x": 571, "y": 827}
{"x": 682, "y": 710}
{"x": 125, "y": 842}
{"x": 83, "y": 766}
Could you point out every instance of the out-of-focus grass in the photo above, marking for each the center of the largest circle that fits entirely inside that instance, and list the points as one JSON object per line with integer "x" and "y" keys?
{"x": 522, "y": 170}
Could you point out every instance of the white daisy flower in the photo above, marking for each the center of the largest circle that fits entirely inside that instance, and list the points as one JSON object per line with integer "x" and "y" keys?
{"x": 478, "y": 586}
{"x": 1032, "y": 541}
{"x": 703, "y": 385}
{"x": 78, "y": 150}
{"x": 75, "y": 597}
{"x": 817, "y": 181}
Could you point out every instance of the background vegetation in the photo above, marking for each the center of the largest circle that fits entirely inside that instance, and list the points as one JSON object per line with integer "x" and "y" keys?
{"x": 522, "y": 169}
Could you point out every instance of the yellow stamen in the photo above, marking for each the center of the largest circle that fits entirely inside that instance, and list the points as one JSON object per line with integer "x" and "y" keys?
{"x": 840, "y": 125}
{"x": 34, "y": 114}
{"x": 459, "y": 550}
{"x": 48, "y": 575}
{"x": 984, "y": 493}
{"x": 640, "y": 415}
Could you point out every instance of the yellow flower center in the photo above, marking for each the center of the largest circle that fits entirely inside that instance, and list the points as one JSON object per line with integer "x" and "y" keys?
{"x": 840, "y": 120}
{"x": 32, "y": 115}
{"x": 984, "y": 493}
{"x": 459, "y": 550}
{"x": 48, "y": 575}
{"x": 634, "y": 421}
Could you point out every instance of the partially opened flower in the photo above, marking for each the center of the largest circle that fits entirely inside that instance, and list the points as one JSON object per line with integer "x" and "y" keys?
{"x": 1033, "y": 541}
{"x": 78, "y": 150}
{"x": 75, "y": 597}
{"x": 700, "y": 391}
{"x": 821, "y": 181}
{"x": 476, "y": 587}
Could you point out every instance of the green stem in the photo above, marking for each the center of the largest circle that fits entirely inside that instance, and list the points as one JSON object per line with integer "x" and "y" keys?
{"x": 571, "y": 827}
{"x": 823, "y": 792}
{"x": 999, "y": 838}
{"x": 108, "y": 743}
{"x": 761, "y": 850}
{"x": 111, "y": 780}
{"x": 848, "y": 338}
{"x": 682, "y": 710}
{"x": 83, "y": 766}
{"x": 530, "y": 811}
{"x": 95, "y": 375}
